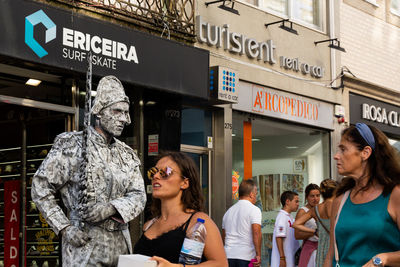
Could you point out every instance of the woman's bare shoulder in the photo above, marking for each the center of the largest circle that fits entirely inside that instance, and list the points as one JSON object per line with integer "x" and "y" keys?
{"x": 300, "y": 213}
{"x": 396, "y": 191}
{"x": 395, "y": 196}
{"x": 335, "y": 204}
{"x": 148, "y": 224}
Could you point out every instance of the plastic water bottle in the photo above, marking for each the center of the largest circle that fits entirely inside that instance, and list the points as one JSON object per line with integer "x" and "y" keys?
{"x": 193, "y": 245}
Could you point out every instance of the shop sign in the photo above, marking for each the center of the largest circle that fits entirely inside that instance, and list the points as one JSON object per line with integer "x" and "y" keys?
{"x": 12, "y": 196}
{"x": 223, "y": 84}
{"x": 265, "y": 51}
{"x": 153, "y": 145}
{"x": 56, "y": 37}
{"x": 376, "y": 113}
{"x": 45, "y": 238}
{"x": 278, "y": 104}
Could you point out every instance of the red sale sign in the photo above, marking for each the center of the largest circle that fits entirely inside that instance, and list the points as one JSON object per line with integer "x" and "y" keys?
{"x": 12, "y": 196}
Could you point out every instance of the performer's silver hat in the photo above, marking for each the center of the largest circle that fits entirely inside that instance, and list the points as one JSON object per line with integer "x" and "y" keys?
{"x": 109, "y": 91}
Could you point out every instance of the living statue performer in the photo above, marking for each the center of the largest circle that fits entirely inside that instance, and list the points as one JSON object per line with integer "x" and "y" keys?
{"x": 99, "y": 181}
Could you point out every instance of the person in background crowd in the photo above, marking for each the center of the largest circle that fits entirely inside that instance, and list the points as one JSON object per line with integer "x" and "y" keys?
{"x": 284, "y": 245}
{"x": 177, "y": 203}
{"x": 366, "y": 226}
{"x": 241, "y": 228}
{"x": 321, "y": 213}
{"x": 310, "y": 243}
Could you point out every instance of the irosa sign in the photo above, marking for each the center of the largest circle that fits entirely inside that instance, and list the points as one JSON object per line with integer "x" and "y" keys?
{"x": 278, "y": 104}
{"x": 383, "y": 116}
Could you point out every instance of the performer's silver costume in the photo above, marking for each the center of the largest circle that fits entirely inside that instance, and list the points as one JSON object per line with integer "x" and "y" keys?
{"x": 114, "y": 178}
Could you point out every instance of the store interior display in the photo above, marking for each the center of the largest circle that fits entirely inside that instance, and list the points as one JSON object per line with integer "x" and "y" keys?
{"x": 284, "y": 156}
{"x": 42, "y": 244}
{"x": 26, "y": 139}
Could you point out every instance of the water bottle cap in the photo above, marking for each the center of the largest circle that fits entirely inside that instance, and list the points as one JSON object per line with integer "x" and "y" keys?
{"x": 200, "y": 220}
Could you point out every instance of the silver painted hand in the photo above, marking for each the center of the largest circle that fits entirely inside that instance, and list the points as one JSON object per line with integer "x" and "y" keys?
{"x": 74, "y": 236}
{"x": 99, "y": 212}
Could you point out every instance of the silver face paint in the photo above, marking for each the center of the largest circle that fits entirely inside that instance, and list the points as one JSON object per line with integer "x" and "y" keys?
{"x": 113, "y": 119}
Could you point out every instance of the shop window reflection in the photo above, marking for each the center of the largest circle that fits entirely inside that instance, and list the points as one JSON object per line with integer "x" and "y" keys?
{"x": 285, "y": 156}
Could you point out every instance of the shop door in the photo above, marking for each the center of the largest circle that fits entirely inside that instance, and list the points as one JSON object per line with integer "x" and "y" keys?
{"x": 25, "y": 139}
{"x": 202, "y": 158}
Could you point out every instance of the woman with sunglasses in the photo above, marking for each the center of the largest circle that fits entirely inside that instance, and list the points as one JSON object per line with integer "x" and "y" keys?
{"x": 177, "y": 203}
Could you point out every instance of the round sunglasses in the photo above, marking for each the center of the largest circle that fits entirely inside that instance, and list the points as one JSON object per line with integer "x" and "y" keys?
{"x": 164, "y": 173}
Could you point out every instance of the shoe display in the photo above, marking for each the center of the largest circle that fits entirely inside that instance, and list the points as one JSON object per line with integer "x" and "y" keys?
{"x": 32, "y": 207}
{"x": 31, "y": 168}
{"x": 42, "y": 245}
{"x": 8, "y": 169}
{"x": 32, "y": 251}
{"x": 55, "y": 252}
{"x": 36, "y": 223}
{"x": 43, "y": 153}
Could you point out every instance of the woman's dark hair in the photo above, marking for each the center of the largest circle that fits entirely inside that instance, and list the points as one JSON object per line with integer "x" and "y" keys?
{"x": 328, "y": 187}
{"x": 383, "y": 164}
{"x": 192, "y": 197}
{"x": 311, "y": 187}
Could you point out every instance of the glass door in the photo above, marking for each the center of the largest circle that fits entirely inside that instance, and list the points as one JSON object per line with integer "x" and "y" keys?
{"x": 202, "y": 158}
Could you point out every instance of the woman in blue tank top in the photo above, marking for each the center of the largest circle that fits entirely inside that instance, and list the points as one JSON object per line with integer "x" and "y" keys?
{"x": 366, "y": 224}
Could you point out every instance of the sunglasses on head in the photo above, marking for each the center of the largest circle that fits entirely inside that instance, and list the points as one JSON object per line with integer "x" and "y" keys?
{"x": 164, "y": 173}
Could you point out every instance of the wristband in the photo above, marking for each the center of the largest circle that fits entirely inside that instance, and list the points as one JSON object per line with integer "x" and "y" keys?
{"x": 283, "y": 258}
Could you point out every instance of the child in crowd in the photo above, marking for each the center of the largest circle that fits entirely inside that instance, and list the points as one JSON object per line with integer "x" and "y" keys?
{"x": 284, "y": 244}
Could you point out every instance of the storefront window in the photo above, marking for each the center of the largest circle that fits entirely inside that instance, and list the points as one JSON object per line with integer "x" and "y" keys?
{"x": 284, "y": 157}
{"x": 53, "y": 90}
{"x": 196, "y": 126}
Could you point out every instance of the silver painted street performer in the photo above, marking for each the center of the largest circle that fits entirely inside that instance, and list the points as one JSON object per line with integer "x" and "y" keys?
{"x": 102, "y": 196}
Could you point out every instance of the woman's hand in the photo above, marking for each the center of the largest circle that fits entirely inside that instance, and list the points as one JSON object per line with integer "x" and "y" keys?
{"x": 161, "y": 262}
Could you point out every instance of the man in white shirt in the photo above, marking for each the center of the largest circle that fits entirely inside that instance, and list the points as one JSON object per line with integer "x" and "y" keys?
{"x": 284, "y": 244}
{"x": 241, "y": 228}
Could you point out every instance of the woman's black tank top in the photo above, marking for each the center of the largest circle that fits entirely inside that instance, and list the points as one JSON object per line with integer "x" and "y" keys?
{"x": 168, "y": 245}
